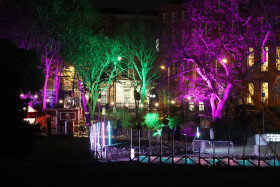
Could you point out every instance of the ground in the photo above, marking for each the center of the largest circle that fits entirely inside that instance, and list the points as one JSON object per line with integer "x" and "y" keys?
{"x": 64, "y": 161}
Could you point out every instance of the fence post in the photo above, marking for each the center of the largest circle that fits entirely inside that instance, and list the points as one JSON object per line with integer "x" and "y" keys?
{"x": 259, "y": 162}
{"x": 149, "y": 149}
{"x": 186, "y": 144}
{"x": 130, "y": 144}
{"x": 160, "y": 146}
{"x": 139, "y": 138}
{"x": 275, "y": 153}
{"x": 213, "y": 153}
{"x": 228, "y": 153}
{"x": 199, "y": 154}
{"x": 243, "y": 149}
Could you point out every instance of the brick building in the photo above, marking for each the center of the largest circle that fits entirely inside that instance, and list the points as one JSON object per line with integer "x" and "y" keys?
{"x": 261, "y": 88}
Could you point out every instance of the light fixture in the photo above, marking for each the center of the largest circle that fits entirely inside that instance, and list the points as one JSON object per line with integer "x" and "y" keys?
{"x": 224, "y": 60}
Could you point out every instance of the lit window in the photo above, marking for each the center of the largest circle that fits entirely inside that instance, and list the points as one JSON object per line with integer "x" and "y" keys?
{"x": 201, "y": 106}
{"x": 174, "y": 16}
{"x": 126, "y": 96}
{"x": 191, "y": 106}
{"x": 278, "y": 58}
{"x": 104, "y": 97}
{"x": 264, "y": 92}
{"x": 250, "y": 93}
{"x": 250, "y": 59}
{"x": 265, "y": 64}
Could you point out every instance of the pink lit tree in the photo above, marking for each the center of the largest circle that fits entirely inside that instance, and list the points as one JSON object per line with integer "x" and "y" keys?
{"x": 48, "y": 28}
{"x": 55, "y": 22}
{"x": 217, "y": 40}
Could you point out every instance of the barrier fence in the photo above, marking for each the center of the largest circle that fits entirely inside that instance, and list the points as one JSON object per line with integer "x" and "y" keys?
{"x": 195, "y": 152}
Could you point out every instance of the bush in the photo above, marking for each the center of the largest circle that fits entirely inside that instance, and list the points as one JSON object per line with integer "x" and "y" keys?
{"x": 151, "y": 120}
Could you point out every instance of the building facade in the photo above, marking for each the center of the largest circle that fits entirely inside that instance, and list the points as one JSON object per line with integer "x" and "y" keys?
{"x": 260, "y": 88}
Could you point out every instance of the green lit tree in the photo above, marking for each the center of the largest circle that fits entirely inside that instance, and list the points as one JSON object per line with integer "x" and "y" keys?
{"x": 152, "y": 121}
{"x": 96, "y": 61}
{"x": 140, "y": 52}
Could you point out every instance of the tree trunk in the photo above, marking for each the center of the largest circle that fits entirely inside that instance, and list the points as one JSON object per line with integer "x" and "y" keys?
{"x": 45, "y": 91}
{"x": 82, "y": 95}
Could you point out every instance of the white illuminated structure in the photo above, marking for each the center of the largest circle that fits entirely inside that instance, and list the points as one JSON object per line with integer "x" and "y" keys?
{"x": 98, "y": 138}
{"x": 264, "y": 139}
{"x": 197, "y": 132}
{"x": 273, "y": 138}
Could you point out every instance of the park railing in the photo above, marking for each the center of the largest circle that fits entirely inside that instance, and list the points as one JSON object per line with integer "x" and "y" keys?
{"x": 143, "y": 148}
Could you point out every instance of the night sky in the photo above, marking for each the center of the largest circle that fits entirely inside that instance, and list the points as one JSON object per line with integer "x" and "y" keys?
{"x": 134, "y": 5}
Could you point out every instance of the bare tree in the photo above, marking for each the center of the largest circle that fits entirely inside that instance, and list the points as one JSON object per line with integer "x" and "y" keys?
{"x": 218, "y": 40}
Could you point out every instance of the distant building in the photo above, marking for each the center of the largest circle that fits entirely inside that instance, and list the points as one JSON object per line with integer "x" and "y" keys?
{"x": 115, "y": 21}
{"x": 263, "y": 85}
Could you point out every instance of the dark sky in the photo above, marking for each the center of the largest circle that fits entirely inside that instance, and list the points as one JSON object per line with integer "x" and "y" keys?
{"x": 134, "y": 5}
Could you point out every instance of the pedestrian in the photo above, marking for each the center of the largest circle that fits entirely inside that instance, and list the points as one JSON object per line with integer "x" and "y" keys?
{"x": 165, "y": 132}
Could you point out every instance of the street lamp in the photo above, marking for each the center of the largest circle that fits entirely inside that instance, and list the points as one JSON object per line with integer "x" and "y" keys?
{"x": 224, "y": 60}
{"x": 162, "y": 67}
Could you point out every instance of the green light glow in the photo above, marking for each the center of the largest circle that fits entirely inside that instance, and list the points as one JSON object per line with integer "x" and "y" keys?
{"x": 152, "y": 121}
{"x": 158, "y": 132}
{"x": 173, "y": 122}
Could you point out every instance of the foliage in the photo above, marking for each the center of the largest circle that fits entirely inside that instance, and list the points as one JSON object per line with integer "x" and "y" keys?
{"x": 215, "y": 47}
{"x": 140, "y": 54}
{"x": 152, "y": 121}
{"x": 82, "y": 128}
{"x": 96, "y": 61}
{"x": 123, "y": 115}
{"x": 174, "y": 121}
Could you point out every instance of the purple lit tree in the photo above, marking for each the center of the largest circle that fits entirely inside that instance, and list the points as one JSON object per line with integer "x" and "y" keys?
{"x": 217, "y": 39}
